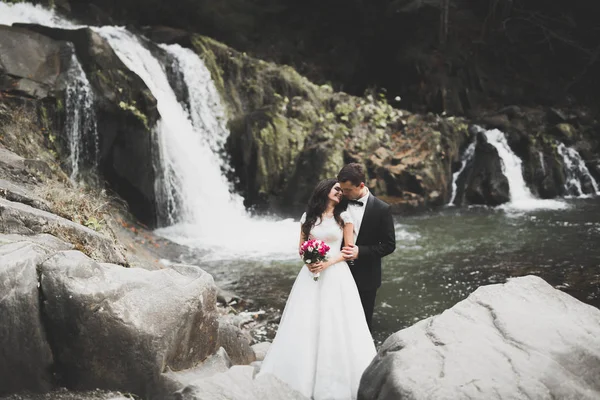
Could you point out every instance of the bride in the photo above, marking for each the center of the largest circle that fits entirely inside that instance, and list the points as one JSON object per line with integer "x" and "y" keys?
{"x": 323, "y": 344}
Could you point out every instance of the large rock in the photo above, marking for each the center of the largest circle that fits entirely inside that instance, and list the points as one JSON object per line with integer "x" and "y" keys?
{"x": 25, "y": 220}
{"x": 24, "y": 171}
{"x": 235, "y": 343}
{"x": 25, "y": 355}
{"x": 261, "y": 350}
{"x": 64, "y": 394}
{"x": 119, "y": 328}
{"x": 126, "y": 112}
{"x": 31, "y": 63}
{"x": 519, "y": 340}
{"x": 238, "y": 383}
{"x": 174, "y": 381}
{"x": 19, "y": 194}
{"x": 43, "y": 240}
{"x": 483, "y": 180}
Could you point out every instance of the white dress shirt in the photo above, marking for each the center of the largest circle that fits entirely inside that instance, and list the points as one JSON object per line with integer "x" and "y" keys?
{"x": 357, "y": 213}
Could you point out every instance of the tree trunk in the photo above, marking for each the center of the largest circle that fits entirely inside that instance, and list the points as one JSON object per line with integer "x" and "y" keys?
{"x": 444, "y": 21}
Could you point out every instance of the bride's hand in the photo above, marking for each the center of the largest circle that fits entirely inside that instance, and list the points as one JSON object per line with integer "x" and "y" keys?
{"x": 319, "y": 266}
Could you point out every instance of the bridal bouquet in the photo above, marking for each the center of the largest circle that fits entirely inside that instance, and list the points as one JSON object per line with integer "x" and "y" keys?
{"x": 313, "y": 251}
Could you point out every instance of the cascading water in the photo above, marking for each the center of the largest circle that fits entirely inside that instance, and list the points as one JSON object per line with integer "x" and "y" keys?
{"x": 205, "y": 108}
{"x": 521, "y": 197}
{"x": 196, "y": 197}
{"x": 576, "y": 172}
{"x": 80, "y": 123}
{"x": 191, "y": 176}
{"x": 542, "y": 163}
{"x": 202, "y": 211}
{"x": 465, "y": 159}
{"x": 32, "y": 14}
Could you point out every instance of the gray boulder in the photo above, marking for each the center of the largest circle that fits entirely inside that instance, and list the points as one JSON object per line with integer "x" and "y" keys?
{"x": 126, "y": 112}
{"x": 119, "y": 328}
{"x": 25, "y": 355}
{"x": 235, "y": 343}
{"x": 518, "y": 340}
{"x": 18, "y": 218}
{"x": 261, "y": 350}
{"x": 25, "y": 172}
{"x": 483, "y": 181}
{"x": 31, "y": 63}
{"x": 238, "y": 383}
{"x": 64, "y": 394}
{"x": 174, "y": 381}
{"x": 20, "y": 194}
{"x": 44, "y": 240}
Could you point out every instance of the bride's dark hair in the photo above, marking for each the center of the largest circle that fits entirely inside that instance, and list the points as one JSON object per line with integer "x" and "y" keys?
{"x": 318, "y": 203}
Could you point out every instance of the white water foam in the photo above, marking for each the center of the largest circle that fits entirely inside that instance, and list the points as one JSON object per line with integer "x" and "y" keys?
{"x": 80, "y": 122}
{"x": 197, "y": 197}
{"x": 202, "y": 210}
{"x": 32, "y": 14}
{"x": 575, "y": 171}
{"x": 521, "y": 198}
{"x": 465, "y": 159}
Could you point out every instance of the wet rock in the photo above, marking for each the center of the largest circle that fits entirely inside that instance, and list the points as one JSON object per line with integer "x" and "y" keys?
{"x": 31, "y": 63}
{"x": 522, "y": 339}
{"x": 17, "y": 169}
{"x": 44, "y": 240}
{"x": 565, "y": 133}
{"x": 168, "y": 35}
{"x": 172, "y": 381}
{"x": 225, "y": 297}
{"x": 499, "y": 121}
{"x": 64, "y": 394}
{"x": 22, "y": 219}
{"x": 235, "y": 343}
{"x": 260, "y": 350}
{"x": 20, "y": 194}
{"x": 483, "y": 179}
{"x": 238, "y": 383}
{"x": 119, "y": 328}
{"x": 126, "y": 112}
{"x": 25, "y": 355}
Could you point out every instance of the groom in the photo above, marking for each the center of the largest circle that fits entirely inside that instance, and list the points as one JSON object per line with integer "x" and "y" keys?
{"x": 374, "y": 235}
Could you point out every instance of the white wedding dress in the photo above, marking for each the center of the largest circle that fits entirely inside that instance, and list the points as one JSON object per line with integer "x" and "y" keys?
{"x": 323, "y": 344}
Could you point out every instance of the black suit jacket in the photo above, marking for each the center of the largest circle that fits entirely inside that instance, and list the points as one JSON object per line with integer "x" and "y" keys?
{"x": 376, "y": 239}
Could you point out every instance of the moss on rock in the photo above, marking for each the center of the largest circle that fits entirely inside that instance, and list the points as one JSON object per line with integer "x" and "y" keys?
{"x": 287, "y": 133}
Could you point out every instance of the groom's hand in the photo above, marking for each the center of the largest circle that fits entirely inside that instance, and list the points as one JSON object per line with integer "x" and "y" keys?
{"x": 350, "y": 252}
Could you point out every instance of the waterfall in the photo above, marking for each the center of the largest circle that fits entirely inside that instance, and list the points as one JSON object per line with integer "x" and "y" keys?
{"x": 192, "y": 179}
{"x": 201, "y": 209}
{"x": 194, "y": 195}
{"x": 465, "y": 159}
{"x": 542, "y": 163}
{"x": 205, "y": 108}
{"x": 576, "y": 172}
{"x": 80, "y": 124}
{"x": 32, "y": 14}
{"x": 521, "y": 197}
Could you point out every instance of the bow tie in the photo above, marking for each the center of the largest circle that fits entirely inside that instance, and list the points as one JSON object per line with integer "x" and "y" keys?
{"x": 356, "y": 203}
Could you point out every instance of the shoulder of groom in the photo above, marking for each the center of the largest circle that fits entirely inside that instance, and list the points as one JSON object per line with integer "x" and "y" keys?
{"x": 379, "y": 201}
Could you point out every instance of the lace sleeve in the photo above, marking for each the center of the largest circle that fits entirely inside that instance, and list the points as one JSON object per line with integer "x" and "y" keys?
{"x": 346, "y": 217}
{"x": 303, "y": 218}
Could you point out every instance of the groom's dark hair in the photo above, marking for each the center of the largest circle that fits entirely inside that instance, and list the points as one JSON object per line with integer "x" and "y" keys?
{"x": 353, "y": 172}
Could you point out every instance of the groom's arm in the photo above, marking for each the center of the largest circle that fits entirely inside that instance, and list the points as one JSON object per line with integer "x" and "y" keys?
{"x": 386, "y": 237}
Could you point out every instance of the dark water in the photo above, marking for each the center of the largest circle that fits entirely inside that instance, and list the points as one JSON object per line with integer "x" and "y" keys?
{"x": 444, "y": 256}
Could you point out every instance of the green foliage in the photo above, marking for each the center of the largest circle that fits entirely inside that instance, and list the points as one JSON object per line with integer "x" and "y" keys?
{"x": 133, "y": 109}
